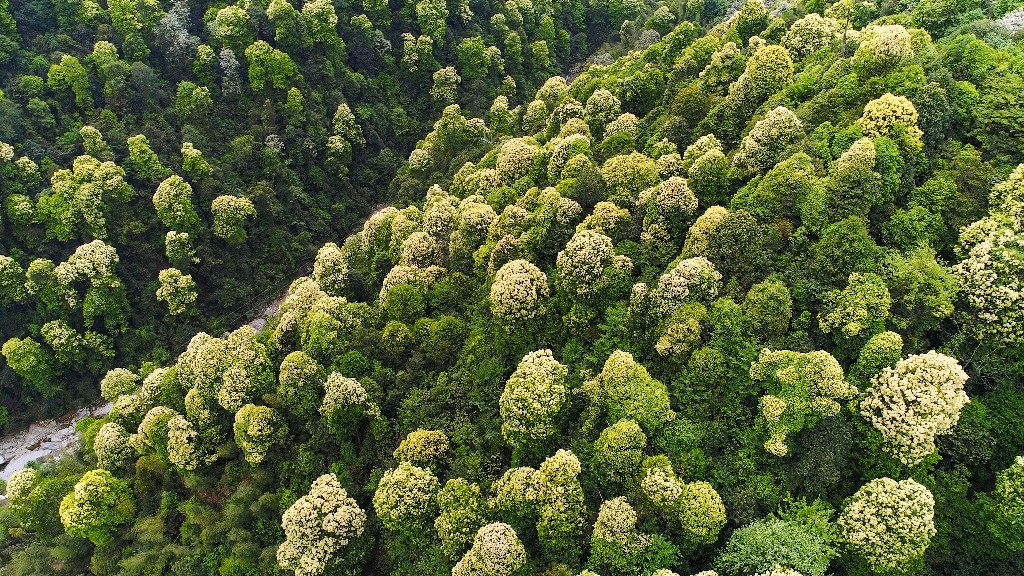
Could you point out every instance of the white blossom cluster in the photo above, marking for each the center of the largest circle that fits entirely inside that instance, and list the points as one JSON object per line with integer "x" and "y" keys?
{"x": 318, "y": 526}
{"x": 151, "y": 436}
{"x": 702, "y": 513}
{"x": 661, "y": 487}
{"x": 113, "y": 446}
{"x": 21, "y": 484}
{"x": 692, "y": 279}
{"x": 582, "y": 264}
{"x": 616, "y": 524}
{"x": 698, "y": 235}
{"x": 532, "y": 399}
{"x": 915, "y": 402}
{"x": 117, "y": 383}
{"x": 496, "y": 551}
{"x": 882, "y": 48}
{"x": 519, "y": 292}
{"x": 769, "y": 137}
{"x": 889, "y": 523}
{"x": 515, "y": 159}
{"x": 992, "y": 271}
{"x": 810, "y": 33}
{"x": 330, "y": 269}
{"x": 182, "y": 443}
{"x": 258, "y": 429}
{"x": 602, "y": 107}
{"x": 627, "y": 124}
{"x": 515, "y": 492}
{"x": 404, "y": 496}
{"x": 883, "y": 115}
{"x": 422, "y": 447}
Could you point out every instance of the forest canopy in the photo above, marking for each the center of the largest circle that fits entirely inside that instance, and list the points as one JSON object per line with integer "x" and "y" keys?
{"x": 570, "y": 287}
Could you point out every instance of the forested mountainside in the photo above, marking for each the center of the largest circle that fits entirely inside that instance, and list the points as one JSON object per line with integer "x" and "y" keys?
{"x": 212, "y": 148}
{"x": 744, "y": 300}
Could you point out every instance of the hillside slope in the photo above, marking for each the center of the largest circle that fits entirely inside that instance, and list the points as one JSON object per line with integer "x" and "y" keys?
{"x": 743, "y": 300}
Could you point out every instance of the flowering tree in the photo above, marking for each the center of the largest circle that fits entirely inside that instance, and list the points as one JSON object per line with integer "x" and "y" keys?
{"x": 258, "y": 429}
{"x": 993, "y": 264}
{"x": 496, "y": 551}
{"x": 889, "y": 524}
{"x": 532, "y": 399}
{"x": 915, "y": 402}
{"x": 318, "y": 527}
{"x": 519, "y": 292}
{"x": 804, "y": 388}
{"x": 406, "y": 498}
{"x": 98, "y": 506}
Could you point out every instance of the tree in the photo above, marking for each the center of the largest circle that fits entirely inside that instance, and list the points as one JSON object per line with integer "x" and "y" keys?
{"x": 94, "y": 144}
{"x": 82, "y": 198}
{"x": 803, "y": 389}
{"x": 702, "y": 514}
{"x": 889, "y": 524}
{"x": 321, "y": 22}
{"x": 299, "y": 384}
{"x": 268, "y": 64}
{"x": 113, "y": 447}
{"x": 183, "y": 444}
{"x": 231, "y": 28}
{"x": 560, "y": 506}
{"x": 619, "y": 451}
{"x": 772, "y": 541}
{"x": 69, "y": 74}
{"x": 616, "y": 546}
{"x": 229, "y": 216}
{"x": 628, "y": 175}
{"x": 193, "y": 102}
{"x": 118, "y": 382}
{"x": 34, "y": 363}
{"x": 318, "y": 527}
{"x": 768, "y": 70}
{"x": 406, "y": 498}
{"x": 993, "y": 264}
{"x": 331, "y": 270}
{"x": 178, "y": 290}
{"x": 496, "y": 551}
{"x": 423, "y": 448}
{"x": 345, "y": 403}
{"x": 518, "y": 293}
{"x": 461, "y": 514}
{"x": 179, "y": 250}
{"x": 99, "y": 505}
{"x": 893, "y": 117}
{"x": 858, "y": 311}
{"x": 152, "y": 434}
{"x": 810, "y": 33}
{"x": 258, "y": 430}
{"x": 446, "y": 83}
{"x": 1008, "y": 524}
{"x": 882, "y": 49}
{"x": 629, "y": 392}
{"x": 143, "y": 163}
{"x": 915, "y": 402}
{"x": 193, "y": 163}
{"x": 769, "y": 307}
{"x": 769, "y": 137}
{"x": 431, "y": 16}
{"x": 533, "y": 397}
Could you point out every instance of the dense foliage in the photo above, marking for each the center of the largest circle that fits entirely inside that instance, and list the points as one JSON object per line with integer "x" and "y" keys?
{"x": 744, "y": 300}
